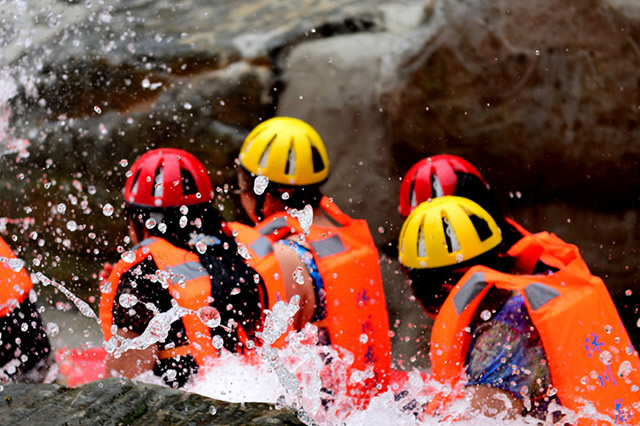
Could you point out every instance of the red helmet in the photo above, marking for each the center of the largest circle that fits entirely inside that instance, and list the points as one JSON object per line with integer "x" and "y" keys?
{"x": 432, "y": 177}
{"x": 167, "y": 177}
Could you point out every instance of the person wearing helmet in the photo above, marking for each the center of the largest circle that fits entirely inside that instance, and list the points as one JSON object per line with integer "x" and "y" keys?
{"x": 525, "y": 324}
{"x": 183, "y": 291}
{"x": 446, "y": 174}
{"x": 25, "y": 350}
{"x": 326, "y": 257}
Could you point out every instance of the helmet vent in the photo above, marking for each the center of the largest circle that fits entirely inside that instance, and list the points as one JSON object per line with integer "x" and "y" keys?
{"x": 482, "y": 227}
{"x": 436, "y": 186}
{"x": 453, "y": 244}
{"x": 422, "y": 246}
{"x": 134, "y": 186}
{"x": 265, "y": 155}
{"x": 414, "y": 197}
{"x": 158, "y": 189}
{"x": 318, "y": 163}
{"x": 291, "y": 162}
{"x": 188, "y": 183}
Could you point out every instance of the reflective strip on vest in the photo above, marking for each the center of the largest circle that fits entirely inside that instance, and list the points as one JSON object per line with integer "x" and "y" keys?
{"x": 279, "y": 223}
{"x": 474, "y": 285}
{"x": 262, "y": 246}
{"x": 539, "y": 294}
{"x": 188, "y": 270}
{"x": 145, "y": 242}
{"x": 328, "y": 247}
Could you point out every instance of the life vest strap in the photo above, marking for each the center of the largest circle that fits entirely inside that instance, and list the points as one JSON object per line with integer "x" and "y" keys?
{"x": 174, "y": 352}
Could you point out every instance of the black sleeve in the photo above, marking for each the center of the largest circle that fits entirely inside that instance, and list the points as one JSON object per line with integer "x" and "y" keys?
{"x": 22, "y": 337}
{"x": 139, "y": 282}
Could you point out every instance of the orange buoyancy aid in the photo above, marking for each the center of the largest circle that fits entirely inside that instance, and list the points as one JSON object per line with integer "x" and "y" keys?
{"x": 14, "y": 285}
{"x": 188, "y": 283}
{"x": 590, "y": 356}
{"x": 262, "y": 259}
{"x": 356, "y": 313}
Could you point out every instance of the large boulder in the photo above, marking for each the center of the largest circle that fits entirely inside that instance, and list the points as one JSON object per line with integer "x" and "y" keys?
{"x": 543, "y": 97}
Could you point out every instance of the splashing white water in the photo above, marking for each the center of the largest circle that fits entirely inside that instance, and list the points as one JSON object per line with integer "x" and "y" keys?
{"x": 304, "y": 216}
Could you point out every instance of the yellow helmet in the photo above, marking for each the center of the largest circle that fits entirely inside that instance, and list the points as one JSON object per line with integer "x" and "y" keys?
{"x": 287, "y": 151}
{"x": 446, "y": 231}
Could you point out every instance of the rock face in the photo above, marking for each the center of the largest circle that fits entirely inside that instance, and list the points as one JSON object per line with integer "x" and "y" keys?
{"x": 122, "y": 402}
{"x": 542, "y": 96}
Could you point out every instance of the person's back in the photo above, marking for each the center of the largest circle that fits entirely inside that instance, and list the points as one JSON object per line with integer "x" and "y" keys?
{"x": 326, "y": 257}
{"x": 520, "y": 318}
{"x": 182, "y": 292}
{"x": 25, "y": 351}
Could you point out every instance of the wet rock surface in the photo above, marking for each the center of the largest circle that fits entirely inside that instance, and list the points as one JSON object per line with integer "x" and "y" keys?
{"x": 122, "y": 402}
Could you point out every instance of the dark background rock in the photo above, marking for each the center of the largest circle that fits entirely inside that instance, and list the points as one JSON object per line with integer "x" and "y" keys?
{"x": 122, "y": 402}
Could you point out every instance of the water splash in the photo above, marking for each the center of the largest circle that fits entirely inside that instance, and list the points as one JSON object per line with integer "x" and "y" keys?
{"x": 304, "y": 216}
{"x": 260, "y": 184}
{"x": 82, "y": 306}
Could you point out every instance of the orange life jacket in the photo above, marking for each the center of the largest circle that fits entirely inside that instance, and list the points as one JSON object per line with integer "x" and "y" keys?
{"x": 590, "y": 356}
{"x": 356, "y": 314}
{"x": 262, "y": 259}
{"x": 188, "y": 283}
{"x": 14, "y": 286}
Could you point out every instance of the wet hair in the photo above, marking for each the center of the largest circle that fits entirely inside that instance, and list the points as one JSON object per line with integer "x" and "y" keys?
{"x": 227, "y": 269}
{"x": 470, "y": 186}
{"x": 298, "y": 196}
{"x": 427, "y": 284}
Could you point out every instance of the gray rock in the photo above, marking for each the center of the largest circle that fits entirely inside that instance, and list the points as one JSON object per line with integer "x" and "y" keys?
{"x": 122, "y": 402}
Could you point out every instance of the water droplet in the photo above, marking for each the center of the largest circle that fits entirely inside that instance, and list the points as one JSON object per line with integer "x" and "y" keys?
{"x": 107, "y": 210}
{"x": 217, "y": 342}
{"x": 209, "y": 316}
{"x": 625, "y": 369}
{"x": 24, "y": 327}
{"x": 187, "y": 106}
{"x": 537, "y": 52}
{"x": 380, "y": 230}
{"x": 170, "y": 375}
{"x": 98, "y": 110}
{"x": 183, "y": 221}
{"x": 608, "y": 329}
{"x": 127, "y": 300}
{"x": 52, "y": 329}
{"x": 364, "y": 338}
{"x": 72, "y": 225}
{"x": 243, "y": 251}
{"x": 260, "y": 184}
{"x": 91, "y": 189}
{"x": 459, "y": 257}
{"x": 212, "y": 410}
{"x": 184, "y": 210}
{"x": 124, "y": 163}
{"x": 485, "y": 315}
{"x": 61, "y": 208}
{"x": 304, "y": 216}
{"x": 285, "y": 196}
{"x": 201, "y": 247}
{"x": 128, "y": 256}
{"x": 606, "y": 358}
{"x": 256, "y": 278}
{"x": 628, "y": 292}
{"x": 162, "y": 227}
{"x": 297, "y": 275}
{"x": 15, "y": 264}
{"x": 150, "y": 223}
